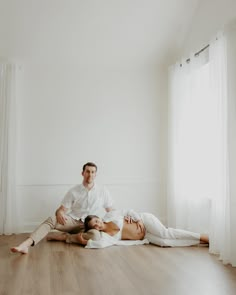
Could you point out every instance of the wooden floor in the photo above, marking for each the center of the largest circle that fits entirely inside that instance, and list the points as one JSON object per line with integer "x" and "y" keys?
{"x": 57, "y": 268}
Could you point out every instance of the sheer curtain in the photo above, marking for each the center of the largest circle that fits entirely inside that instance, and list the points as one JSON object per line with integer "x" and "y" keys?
{"x": 201, "y": 168}
{"x": 191, "y": 145}
{"x": 223, "y": 211}
{"x": 8, "y": 210}
{"x": 220, "y": 204}
{"x": 230, "y": 255}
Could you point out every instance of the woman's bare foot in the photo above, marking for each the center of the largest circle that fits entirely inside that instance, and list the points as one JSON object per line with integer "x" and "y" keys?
{"x": 23, "y": 248}
{"x": 204, "y": 239}
{"x": 57, "y": 237}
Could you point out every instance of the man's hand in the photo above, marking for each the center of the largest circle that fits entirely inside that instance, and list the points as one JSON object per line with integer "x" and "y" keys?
{"x": 81, "y": 239}
{"x": 61, "y": 217}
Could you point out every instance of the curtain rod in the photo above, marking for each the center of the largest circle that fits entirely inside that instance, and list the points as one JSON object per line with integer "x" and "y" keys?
{"x": 197, "y": 53}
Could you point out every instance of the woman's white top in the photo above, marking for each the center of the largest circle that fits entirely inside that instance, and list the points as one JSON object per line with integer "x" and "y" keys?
{"x": 116, "y": 216}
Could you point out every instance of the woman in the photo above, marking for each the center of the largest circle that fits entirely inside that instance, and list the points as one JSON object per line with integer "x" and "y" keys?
{"x": 123, "y": 226}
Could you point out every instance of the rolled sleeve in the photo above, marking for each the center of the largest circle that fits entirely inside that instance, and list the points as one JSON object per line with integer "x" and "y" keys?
{"x": 108, "y": 202}
{"x": 68, "y": 200}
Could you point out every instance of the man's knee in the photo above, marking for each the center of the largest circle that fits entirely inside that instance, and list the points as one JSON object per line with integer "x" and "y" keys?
{"x": 92, "y": 234}
{"x": 51, "y": 221}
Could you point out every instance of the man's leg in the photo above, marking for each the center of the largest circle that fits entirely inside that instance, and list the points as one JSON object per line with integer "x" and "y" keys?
{"x": 23, "y": 247}
{"x": 43, "y": 229}
{"x": 51, "y": 223}
{"x": 73, "y": 238}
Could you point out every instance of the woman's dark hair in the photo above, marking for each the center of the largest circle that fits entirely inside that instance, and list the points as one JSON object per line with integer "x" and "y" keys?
{"x": 87, "y": 220}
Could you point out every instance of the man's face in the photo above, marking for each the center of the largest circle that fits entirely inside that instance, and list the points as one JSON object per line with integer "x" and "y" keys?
{"x": 89, "y": 174}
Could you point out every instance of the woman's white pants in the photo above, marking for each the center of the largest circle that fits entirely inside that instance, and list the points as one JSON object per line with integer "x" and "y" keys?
{"x": 159, "y": 235}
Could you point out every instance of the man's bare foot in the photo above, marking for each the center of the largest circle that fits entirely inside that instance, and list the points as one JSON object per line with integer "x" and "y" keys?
{"x": 57, "y": 237}
{"x": 23, "y": 247}
{"x": 20, "y": 249}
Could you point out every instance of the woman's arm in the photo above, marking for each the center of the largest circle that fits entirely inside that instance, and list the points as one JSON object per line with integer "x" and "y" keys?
{"x": 131, "y": 215}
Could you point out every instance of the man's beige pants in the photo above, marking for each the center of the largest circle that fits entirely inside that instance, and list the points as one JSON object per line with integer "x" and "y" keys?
{"x": 51, "y": 223}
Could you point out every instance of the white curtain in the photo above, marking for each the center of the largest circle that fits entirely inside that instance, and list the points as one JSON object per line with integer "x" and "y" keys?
{"x": 230, "y": 33}
{"x": 8, "y": 208}
{"x": 191, "y": 145}
{"x": 220, "y": 205}
{"x": 224, "y": 234}
{"x": 201, "y": 168}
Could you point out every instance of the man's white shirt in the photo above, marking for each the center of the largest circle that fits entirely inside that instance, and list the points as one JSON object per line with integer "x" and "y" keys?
{"x": 82, "y": 202}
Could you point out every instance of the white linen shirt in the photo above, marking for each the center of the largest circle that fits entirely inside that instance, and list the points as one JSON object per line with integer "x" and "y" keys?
{"x": 82, "y": 202}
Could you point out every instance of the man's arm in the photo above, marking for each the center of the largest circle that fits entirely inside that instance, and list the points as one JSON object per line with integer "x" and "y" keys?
{"x": 107, "y": 200}
{"x": 61, "y": 214}
{"x": 65, "y": 206}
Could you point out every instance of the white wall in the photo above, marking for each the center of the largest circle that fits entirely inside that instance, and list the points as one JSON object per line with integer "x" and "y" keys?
{"x": 85, "y": 92}
{"x": 68, "y": 115}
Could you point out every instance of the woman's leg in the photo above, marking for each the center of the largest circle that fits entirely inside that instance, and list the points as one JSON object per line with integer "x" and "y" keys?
{"x": 204, "y": 239}
{"x": 158, "y": 234}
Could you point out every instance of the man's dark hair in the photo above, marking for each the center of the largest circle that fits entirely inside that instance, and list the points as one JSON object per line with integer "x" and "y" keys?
{"x": 91, "y": 164}
{"x": 87, "y": 220}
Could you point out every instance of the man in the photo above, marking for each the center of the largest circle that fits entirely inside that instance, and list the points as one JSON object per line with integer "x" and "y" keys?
{"x": 80, "y": 201}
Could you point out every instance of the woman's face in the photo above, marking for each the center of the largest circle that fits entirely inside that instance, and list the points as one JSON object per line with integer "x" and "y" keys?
{"x": 96, "y": 223}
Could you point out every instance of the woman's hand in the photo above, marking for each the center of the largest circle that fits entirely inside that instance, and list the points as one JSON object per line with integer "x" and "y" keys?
{"x": 140, "y": 226}
{"x": 128, "y": 219}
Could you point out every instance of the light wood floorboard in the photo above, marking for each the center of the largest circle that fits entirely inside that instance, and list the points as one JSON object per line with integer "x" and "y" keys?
{"x": 64, "y": 269}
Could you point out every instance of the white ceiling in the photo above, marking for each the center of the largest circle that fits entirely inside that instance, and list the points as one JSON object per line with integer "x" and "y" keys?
{"x": 95, "y": 32}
